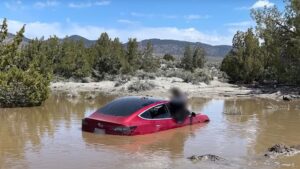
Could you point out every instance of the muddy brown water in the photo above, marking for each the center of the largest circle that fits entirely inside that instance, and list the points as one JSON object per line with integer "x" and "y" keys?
{"x": 50, "y": 137}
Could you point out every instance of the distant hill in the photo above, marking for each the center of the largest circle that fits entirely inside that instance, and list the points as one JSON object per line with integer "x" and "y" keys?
{"x": 175, "y": 47}
{"x": 161, "y": 47}
{"x": 86, "y": 42}
{"x": 10, "y": 36}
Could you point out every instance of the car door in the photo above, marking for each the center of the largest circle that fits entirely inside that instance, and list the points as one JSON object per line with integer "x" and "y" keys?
{"x": 162, "y": 118}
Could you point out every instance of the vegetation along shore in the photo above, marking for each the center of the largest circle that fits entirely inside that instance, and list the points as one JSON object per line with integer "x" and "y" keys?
{"x": 263, "y": 61}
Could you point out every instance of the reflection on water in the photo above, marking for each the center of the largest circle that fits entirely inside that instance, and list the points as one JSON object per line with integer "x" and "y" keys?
{"x": 50, "y": 137}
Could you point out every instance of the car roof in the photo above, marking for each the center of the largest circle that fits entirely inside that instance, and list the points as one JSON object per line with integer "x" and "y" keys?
{"x": 126, "y": 106}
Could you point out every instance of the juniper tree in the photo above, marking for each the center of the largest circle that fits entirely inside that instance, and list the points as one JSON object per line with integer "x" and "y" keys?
{"x": 198, "y": 58}
{"x": 149, "y": 62}
{"x": 107, "y": 55}
{"x": 244, "y": 63}
{"x": 133, "y": 55}
{"x": 277, "y": 54}
{"x": 22, "y": 80}
{"x": 168, "y": 57}
{"x": 73, "y": 61}
{"x": 187, "y": 60}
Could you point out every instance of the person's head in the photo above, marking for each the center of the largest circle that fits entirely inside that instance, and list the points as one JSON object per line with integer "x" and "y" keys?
{"x": 176, "y": 92}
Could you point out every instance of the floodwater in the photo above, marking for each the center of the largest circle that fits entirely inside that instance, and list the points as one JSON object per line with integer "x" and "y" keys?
{"x": 50, "y": 137}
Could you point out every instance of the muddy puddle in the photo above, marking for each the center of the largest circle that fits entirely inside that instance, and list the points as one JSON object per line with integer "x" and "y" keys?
{"x": 240, "y": 131}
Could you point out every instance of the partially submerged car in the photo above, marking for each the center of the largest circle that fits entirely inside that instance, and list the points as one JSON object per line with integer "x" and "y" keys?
{"x": 135, "y": 116}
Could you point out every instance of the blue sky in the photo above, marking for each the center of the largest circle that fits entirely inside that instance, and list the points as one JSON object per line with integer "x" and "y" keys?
{"x": 208, "y": 21}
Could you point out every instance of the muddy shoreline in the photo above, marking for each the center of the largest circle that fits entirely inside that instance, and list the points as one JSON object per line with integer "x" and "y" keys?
{"x": 215, "y": 89}
{"x": 262, "y": 135}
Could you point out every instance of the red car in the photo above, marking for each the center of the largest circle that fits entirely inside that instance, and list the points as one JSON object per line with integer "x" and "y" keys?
{"x": 135, "y": 116}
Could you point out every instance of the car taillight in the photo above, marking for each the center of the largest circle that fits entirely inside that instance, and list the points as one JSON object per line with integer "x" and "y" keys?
{"x": 124, "y": 129}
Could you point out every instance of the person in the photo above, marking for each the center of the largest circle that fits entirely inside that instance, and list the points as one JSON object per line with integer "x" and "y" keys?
{"x": 178, "y": 105}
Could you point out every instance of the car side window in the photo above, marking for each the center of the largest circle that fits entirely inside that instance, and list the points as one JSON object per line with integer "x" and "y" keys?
{"x": 157, "y": 112}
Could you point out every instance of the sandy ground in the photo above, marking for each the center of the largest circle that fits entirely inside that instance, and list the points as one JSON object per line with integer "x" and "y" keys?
{"x": 215, "y": 89}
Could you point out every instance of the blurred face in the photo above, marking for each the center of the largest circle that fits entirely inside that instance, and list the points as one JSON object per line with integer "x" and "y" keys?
{"x": 175, "y": 92}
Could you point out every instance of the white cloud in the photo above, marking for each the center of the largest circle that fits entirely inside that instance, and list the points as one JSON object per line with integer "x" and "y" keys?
{"x": 80, "y": 5}
{"x": 48, "y": 3}
{"x": 185, "y": 34}
{"x": 39, "y": 29}
{"x": 101, "y": 3}
{"x": 137, "y": 14}
{"x": 150, "y": 15}
{"x": 261, "y": 4}
{"x": 127, "y": 21}
{"x": 239, "y": 26}
{"x": 196, "y": 17}
{"x": 243, "y": 8}
{"x": 14, "y": 5}
{"x": 88, "y": 4}
{"x": 170, "y": 16}
{"x": 257, "y": 4}
{"x": 243, "y": 23}
{"x": 35, "y": 29}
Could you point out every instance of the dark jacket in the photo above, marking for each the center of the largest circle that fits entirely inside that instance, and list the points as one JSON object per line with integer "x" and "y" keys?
{"x": 178, "y": 109}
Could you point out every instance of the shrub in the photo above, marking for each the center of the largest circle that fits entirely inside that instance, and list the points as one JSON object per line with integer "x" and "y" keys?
{"x": 24, "y": 74}
{"x": 199, "y": 75}
{"x": 144, "y": 75}
{"x": 169, "y": 57}
{"x": 121, "y": 80}
{"x": 19, "y": 88}
{"x": 140, "y": 86}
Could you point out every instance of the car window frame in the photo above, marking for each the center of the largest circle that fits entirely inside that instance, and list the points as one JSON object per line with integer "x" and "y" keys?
{"x": 164, "y": 104}
{"x": 103, "y": 109}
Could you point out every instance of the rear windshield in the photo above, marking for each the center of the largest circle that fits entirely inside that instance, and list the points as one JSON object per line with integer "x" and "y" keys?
{"x": 125, "y": 106}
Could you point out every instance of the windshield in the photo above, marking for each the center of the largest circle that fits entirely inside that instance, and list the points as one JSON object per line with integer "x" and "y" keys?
{"x": 126, "y": 106}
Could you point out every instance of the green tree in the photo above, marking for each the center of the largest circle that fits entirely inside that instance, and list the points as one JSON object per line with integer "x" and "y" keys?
{"x": 73, "y": 61}
{"x": 198, "y": 58}
{"x": 133, "y": 55}
{"x": 271, "y": 47}
{"x": 33, "y": 54}
{"x": 3, "y": 32}
{"x": 168, "y": 57}
{"x": 279, "y": 32}
{"x": 244, "y": 63}
{"x": 187, "y": 60}
{"x": 292, "y": 30}
{"x": 107, "y": 55}
{"x": 23, "y": 82}
{"x": 149, "y": 62}
{"x": 53, "y": 50}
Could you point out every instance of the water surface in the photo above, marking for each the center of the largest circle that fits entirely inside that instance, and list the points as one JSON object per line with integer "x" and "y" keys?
{"x": 50, "y": 137}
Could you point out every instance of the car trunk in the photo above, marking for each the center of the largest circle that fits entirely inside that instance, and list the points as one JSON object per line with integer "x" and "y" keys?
{"x": 106, "y": 127}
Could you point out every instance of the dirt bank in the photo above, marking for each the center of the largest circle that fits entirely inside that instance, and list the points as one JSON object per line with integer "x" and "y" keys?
{"x": 215, "y": 89}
